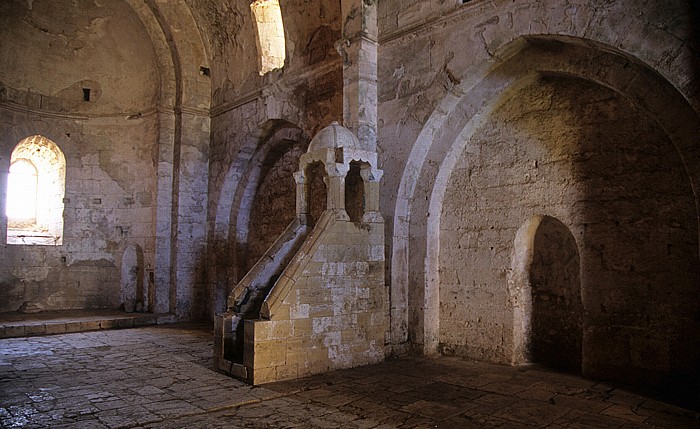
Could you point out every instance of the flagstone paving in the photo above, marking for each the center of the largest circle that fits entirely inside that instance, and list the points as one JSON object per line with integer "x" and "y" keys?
{"x": 162, "y": 377}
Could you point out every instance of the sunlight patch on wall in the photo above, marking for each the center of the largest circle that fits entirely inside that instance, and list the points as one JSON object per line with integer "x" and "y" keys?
{"x": 271, "y": 43}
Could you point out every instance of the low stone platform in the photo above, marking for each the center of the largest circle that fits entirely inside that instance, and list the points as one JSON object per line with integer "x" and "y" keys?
{"x": 14, "y": 324}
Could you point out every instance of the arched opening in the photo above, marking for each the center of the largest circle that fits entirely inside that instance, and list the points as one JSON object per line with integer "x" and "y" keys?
{"x": 260, "y": 174}
{"x": 270, "y": 40}
{"x": 273, "y": 204}
{"x": 35, "y": 190}
{"x": 355, "y": 193}
{"x": 557, "y": 311}
{"x": 317, "y": 193}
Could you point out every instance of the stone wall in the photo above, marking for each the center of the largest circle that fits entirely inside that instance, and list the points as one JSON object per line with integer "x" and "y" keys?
{"x": 104, "y": 82}
{"x": 464, "y": 179}
{"x": 109, "y": 203}
{"x": 328, "y": 311}
{"x": 579, "y": 153}
{"x": 273, "y": 205}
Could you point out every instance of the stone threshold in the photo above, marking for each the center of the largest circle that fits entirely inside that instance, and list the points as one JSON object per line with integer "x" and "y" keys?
{"x": 14, "y": 325}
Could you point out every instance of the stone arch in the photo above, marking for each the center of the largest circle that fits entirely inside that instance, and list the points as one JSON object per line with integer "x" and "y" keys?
{"x": 161, "y": 47}
{"x": 531, "y": 59}
{"x": 177, "y": 41}
{"x": 465, "y": 107}
{"x": 257, "y": 142}
{"x": 269, "y": 141}
{"x": 59, "y": 136}
{"x": 266, "y": 194}
{"x": 18, "y": 133}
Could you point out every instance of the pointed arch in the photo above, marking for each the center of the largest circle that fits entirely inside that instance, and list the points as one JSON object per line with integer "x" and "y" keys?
{"x": 270, "y": 141}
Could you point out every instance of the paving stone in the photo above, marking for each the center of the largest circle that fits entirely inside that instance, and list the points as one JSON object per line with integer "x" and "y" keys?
{"x": 590, "y": 421}
{"x": 536, "y": 393}
{"x": 631, "y": 413}
{"x": 432, "y": 410}
{"x": 532, "y": 412}
{"x": 157, "y": 377}
{"x": 579, "y": 403}
{"x": 669, "y": 420}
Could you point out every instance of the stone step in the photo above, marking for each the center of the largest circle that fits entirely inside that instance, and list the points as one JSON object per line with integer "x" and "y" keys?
{"x": 13, "y": 325}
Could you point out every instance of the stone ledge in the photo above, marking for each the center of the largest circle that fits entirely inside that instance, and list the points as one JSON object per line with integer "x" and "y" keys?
{"x": 13, "y": 325}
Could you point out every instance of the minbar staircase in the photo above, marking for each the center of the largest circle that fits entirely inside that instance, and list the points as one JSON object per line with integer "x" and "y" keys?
{"x": 316, "y": 300}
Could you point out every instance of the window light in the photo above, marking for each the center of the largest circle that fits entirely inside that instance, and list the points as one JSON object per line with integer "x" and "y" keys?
{"x": 271, "y": 44}
{"x": 35, "y": 190}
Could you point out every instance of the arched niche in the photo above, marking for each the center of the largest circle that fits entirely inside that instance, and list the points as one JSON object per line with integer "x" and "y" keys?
{"x": 134, "y": 296}
{"x": 416, "y": 270}
{"x": 269, "y": 201}
{"x": 267, "y": 159}
{"x": 567, "y": 146}
{"x": 555, "y": 288}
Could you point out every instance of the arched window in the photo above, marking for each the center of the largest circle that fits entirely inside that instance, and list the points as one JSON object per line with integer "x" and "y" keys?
{"x": 271, "y": 45}
{"x": 21, "y": 192}
{"x": 35, "y": 190}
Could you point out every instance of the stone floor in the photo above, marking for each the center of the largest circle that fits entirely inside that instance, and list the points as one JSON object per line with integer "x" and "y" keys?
{"x": 161, "y": 377}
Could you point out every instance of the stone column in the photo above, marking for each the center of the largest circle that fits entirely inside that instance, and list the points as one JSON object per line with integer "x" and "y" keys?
{"x": 303, "y": 212}
{"x": 358, "y": 47}
{"x": 164, "y": 202}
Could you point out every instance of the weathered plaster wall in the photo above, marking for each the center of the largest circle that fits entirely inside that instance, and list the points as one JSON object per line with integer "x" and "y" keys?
{"x": 311, "y": 29}
{"x": 51, "y": 51}
{"x": 109, "y": 199}
{"x": 136, "y": 151}
{"x": 109, "y": 203}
